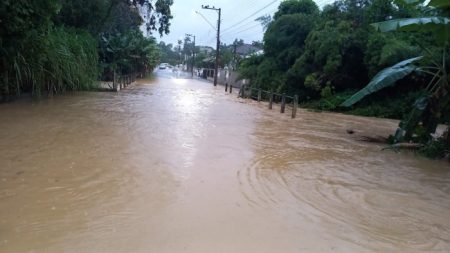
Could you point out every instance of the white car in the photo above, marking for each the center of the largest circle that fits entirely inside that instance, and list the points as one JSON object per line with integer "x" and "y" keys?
{"x": 163, "y": 65}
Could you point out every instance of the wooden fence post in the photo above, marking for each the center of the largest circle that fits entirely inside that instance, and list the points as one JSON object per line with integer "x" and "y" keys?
{"x": 283, "y": 103}
{"x": 259, "y": 95}
{"x": 270, "y": 100}
{"x": 294, "y": 107}
{"x": 114, "y": 81}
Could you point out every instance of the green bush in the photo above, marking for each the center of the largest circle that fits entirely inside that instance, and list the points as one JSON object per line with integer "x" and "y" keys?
{"x": 436, "y": 149}
{"x": 58, "y": 60}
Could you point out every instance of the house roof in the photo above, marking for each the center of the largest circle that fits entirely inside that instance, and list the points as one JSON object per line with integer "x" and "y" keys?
{"x": 246, "y": 49}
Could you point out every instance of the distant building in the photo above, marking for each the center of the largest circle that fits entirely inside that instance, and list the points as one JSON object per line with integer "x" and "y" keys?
{"x": 205, "y": 49}
{"x": 246, "y": 50}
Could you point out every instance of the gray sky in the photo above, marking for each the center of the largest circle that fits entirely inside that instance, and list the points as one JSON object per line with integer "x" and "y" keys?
{"x": 238, "y": 20}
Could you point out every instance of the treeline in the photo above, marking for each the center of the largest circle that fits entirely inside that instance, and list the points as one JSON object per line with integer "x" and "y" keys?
{"x": 317, "y": 54}
{"x": 60, "y": 45}
{"x": 205, "y": 56}
{"x": 327, "y": 55}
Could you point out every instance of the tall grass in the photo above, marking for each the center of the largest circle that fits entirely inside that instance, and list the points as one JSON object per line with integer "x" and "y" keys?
{"x": 57, "y": 60}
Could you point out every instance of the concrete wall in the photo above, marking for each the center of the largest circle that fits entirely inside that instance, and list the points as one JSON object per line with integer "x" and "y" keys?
{"x": 226, "y": 76}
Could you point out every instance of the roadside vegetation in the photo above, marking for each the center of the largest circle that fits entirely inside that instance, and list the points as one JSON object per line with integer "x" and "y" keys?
{"x": 382, "y": 58}
{"x": 52, "y": 46}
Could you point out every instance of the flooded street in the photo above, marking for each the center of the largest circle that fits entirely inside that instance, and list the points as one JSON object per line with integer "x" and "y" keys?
{"x": 177, "y": 165}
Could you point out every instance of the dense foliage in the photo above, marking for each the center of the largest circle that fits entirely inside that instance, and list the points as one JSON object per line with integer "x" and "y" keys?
{"x": 57, "y": 45}
{"x": 431, "y": 107}
{"x": 307, "y": 50}
{"x": 326, "y": 55}
{"x": 168, "y": 53}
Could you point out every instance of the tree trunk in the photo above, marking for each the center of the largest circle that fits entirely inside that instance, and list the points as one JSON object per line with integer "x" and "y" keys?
{"x": 447, "y": 136}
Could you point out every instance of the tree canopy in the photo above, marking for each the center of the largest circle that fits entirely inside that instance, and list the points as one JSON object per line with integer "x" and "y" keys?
{"x": 325, "y": 56}
{"x": 57, "y": 45}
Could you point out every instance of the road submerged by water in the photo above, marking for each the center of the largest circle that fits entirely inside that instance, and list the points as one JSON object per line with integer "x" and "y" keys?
{"x": 177, "y": 165}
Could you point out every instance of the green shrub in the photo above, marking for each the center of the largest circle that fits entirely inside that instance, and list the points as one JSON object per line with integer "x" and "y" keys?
{"x": 436, "y": 149}
{"x": 56, "y": 60}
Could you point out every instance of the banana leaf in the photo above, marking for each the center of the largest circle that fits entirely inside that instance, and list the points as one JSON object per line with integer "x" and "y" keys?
{"x": 412, "y": 24}
{"x": 439, "y": 26}
{"x": 409, "y": 2}
{"x": 439, "y": 3}
{"x": 385, "y": 78}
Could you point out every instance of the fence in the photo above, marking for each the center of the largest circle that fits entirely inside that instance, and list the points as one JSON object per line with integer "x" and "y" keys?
{"x": 224, "y": 77}
{"x": 272, "y": 97}
{"x": 120, "y": 82}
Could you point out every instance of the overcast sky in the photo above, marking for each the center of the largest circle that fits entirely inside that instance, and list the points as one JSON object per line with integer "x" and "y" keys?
{"x": 238, "y": 20}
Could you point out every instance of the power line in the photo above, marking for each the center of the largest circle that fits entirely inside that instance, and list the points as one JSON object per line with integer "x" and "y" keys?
{"x": 257, "y": 25}
{"x": 237, "y": 26}
{"x": 240, "y": 7}
{"x": 256, "y": 12}
{"x": 235, "y": 35}
{"x": 201, "y": 15}
{"x": 248, "y": 23}
{"x": 219, "y": 12}
{"x": 239, "y": 31}
{"x": 246, "y": 18}
{"x": 228, "y": 32}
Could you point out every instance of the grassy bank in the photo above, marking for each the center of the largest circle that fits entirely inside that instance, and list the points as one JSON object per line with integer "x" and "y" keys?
{"x": 382, "y": 106}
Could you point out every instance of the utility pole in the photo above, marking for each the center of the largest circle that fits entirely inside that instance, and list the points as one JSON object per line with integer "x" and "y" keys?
{"x": 216, "y": 67}
{"x": 234, "y": 55}
{"x": 193, "y": 53}
{"x": 179, "y": 51}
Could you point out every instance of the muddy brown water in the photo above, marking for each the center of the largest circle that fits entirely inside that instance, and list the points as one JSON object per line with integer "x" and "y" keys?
{"x": 175, "y": 165}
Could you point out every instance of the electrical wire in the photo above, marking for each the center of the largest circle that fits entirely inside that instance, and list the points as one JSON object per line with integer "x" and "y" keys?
{"x": 247, "y": 24}
{"x": 239, "y": 6}
{"x": 234, "y": 29}
{"x": 201, "y": 15}
{"x": 252, "y": 27}
{"x": 253, "y": 14}
{"x": 228, "y": 30}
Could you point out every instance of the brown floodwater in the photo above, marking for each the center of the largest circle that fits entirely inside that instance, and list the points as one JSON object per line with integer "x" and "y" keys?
{"x": 174, "y": 165}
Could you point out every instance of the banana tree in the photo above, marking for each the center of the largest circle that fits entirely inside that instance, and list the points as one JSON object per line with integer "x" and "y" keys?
{"x": 426, "y": 112}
